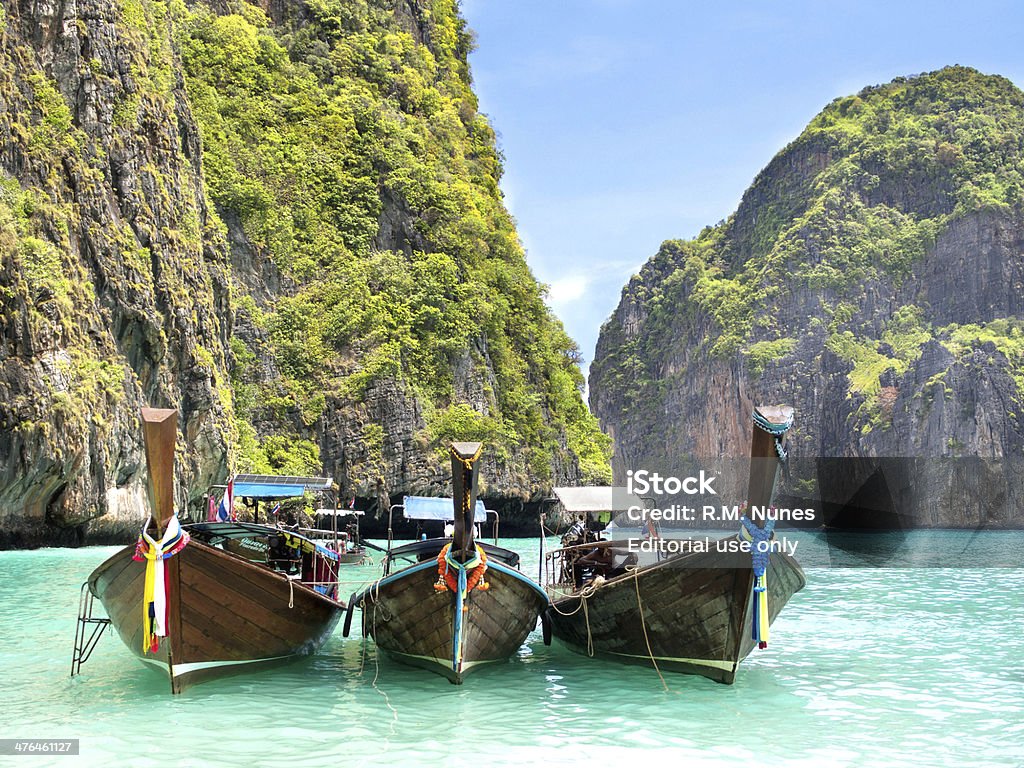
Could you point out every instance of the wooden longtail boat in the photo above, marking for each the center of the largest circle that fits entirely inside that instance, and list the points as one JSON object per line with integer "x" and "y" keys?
{"x": 457, "y": 604}
{"x": 347, "y": 543}
{"x": 210, "y": 599}
{"x": 694, "y": 612}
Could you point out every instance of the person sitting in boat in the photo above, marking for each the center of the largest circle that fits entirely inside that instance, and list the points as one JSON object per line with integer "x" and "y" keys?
{"x": 596, "y": 562}
{"x": 601, "y": 561}
{"x": 629, "y": 561}
{"x": 286, "y": 520}
{"x": 577, "y": 533}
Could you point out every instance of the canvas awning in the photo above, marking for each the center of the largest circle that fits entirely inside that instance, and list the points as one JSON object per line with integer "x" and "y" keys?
{"x": 436, "y": 508}
{"x": 597, "y": 498}
{"x": 278, "y": 486}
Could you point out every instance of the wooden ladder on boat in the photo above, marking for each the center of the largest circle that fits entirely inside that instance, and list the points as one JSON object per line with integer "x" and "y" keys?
{"x": 88, "y": 631}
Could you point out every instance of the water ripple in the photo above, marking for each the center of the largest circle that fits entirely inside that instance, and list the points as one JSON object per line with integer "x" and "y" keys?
{"x": 880, "y": 667}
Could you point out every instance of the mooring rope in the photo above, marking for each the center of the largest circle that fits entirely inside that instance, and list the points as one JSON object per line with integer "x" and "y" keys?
{"x": 643, "y": 622}
{"x": 376, "y": 668}
{"x": 590, "y": 637}
{"x": 583, "y": 594}
{"x": 374, "y": 591}
{"x": 385, "y": 613}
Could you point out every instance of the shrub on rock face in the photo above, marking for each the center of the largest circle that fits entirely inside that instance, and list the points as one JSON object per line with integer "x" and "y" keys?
{"x": 345, "y": 151}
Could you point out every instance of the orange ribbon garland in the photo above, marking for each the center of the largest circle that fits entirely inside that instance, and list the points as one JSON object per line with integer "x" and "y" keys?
{"x": 448, "y": 578}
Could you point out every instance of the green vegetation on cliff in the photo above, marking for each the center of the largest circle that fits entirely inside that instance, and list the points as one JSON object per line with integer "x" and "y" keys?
{"x": 288, "y": 227}
{"x": 349, "y": 147}
{"x": 113, "y": 279}
{"x": 827, "y": 251}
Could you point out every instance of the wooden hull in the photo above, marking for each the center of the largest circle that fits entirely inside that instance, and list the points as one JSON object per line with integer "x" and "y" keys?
{"x": 226, "y": 615}
{"x": 696, "y": 611}
{"x": 415, "y": 624}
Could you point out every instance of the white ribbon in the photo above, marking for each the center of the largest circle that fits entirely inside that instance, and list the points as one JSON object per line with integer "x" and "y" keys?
{"x": 155, "y": 560}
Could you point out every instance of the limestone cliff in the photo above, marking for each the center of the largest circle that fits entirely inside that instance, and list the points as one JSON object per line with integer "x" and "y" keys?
{"x": 114, "y": 289}
{"x": 282, "y": 219}
{"x": 384, "y": 303}
{"x": 871, "y": 277}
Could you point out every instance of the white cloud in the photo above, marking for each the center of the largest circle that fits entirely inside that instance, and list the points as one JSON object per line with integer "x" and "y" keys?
{"x": 566, "y": 290}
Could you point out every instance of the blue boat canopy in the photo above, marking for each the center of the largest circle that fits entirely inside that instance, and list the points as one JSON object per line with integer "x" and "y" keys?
{"x": 434, "y": 508}
{"x": 278, "y": 486}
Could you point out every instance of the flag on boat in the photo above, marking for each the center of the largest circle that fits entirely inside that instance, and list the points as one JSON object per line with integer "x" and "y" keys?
{"x": 211, "y": 512}
{"x": 277, "y": 508}
{"x": 352, "y": 503}
{"x": 226, "y": 510}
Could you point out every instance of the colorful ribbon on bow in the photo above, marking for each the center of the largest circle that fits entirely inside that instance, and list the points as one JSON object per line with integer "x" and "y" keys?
{"x": 154, "y": 598}
{"x": 760, "y": 552}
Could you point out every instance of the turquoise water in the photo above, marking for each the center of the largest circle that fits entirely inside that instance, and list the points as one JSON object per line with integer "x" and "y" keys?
{"x": 867, "y": 667}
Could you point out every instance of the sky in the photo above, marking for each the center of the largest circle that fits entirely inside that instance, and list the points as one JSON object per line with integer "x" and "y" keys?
{"x": 624, "y": 123}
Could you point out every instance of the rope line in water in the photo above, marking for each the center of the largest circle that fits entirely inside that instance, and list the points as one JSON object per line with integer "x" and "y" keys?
{"x": 587, "y": 592}
{"x": 375, "y": 590}
{"x": 643, "y": 623}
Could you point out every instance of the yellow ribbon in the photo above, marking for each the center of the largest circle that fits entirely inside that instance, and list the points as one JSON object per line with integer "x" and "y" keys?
{"x": 764, "y": 628}
{"x": 152, "y": 555}
{"x": 154, "y": 591}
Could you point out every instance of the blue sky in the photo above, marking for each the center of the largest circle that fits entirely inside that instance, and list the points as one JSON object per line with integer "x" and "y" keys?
{"x": 625, "y": 123}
